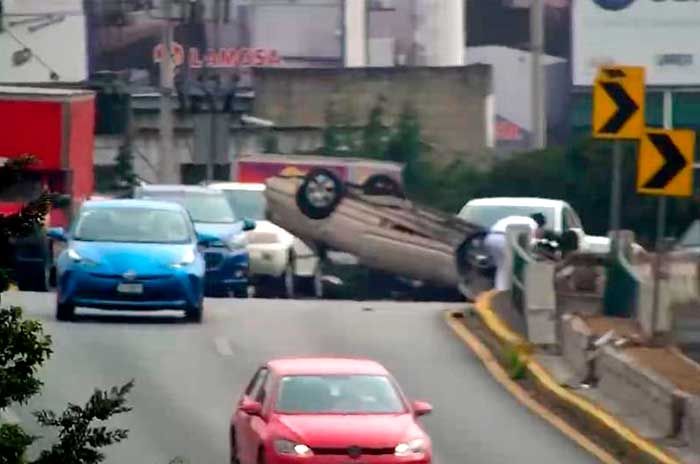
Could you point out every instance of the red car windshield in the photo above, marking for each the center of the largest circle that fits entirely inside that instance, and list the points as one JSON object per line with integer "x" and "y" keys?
{"x": 338, "y": 394}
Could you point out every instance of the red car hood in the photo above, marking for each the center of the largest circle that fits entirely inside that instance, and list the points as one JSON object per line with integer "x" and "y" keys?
{"x": 330, "y": 431}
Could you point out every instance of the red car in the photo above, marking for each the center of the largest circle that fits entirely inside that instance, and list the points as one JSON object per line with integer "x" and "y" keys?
{"x": 327, "y": 411}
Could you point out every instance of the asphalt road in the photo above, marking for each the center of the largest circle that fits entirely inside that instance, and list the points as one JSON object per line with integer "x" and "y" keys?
{"x": 188, "y": 376}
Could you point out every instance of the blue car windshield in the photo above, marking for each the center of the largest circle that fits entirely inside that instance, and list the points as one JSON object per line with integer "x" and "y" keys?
{"x": 133, "y": 225}
{"x": 203, "y": 207}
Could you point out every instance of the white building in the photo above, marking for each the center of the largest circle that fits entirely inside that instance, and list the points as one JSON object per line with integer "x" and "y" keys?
{"x": 43, "y": 41}
{"x": 512, "y": 89}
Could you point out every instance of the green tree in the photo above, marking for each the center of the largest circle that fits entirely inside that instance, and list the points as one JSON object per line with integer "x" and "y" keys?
{"x": 24, "y": 347}
{"x": 375, "y": 135}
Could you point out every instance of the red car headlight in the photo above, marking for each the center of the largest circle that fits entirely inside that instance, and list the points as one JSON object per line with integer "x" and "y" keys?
{"x": 410, "y": 448}
{"x": 291, "y": 448}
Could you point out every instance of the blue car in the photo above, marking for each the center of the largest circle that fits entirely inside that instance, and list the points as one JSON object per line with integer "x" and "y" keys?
{"x": 130, "y": 255}
{"x": 227, "y": 259}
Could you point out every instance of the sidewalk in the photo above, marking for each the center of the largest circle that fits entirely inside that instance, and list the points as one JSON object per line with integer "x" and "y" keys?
{"x": 647, "y": 398}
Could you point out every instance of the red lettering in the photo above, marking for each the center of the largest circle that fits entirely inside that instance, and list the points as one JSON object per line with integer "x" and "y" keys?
{"x": 210, "y": 58}
{"x": 273, "y": 57}
{"x": 195, "y": 60}
{"x": 245, "y": 57}
{"x": 230, "y": 57}
{"x": 158, "y": 53}
{"x": 260, "y": 57}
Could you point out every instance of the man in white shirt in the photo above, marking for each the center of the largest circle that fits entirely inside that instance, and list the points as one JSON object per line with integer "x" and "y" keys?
{"x": 496, "y": 243}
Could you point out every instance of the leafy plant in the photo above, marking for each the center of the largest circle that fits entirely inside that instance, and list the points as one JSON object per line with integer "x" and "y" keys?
{"x": 515, "y": 365}
{"x": 24, "y": 347}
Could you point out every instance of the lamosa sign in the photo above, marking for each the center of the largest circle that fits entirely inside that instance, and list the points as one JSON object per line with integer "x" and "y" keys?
{"x": 223, "y": 58}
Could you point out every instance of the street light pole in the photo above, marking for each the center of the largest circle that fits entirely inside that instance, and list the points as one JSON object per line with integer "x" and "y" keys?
{"x": 169, "y": 171}
{"x": 539, "y": 121}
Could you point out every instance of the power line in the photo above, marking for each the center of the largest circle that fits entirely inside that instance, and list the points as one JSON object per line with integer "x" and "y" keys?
{"x": 53, "y": 74}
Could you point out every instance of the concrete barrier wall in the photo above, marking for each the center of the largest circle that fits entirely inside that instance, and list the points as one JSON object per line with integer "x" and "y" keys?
{"x": 639, "y": 390}
{"x": 691, "y": 422}
{"x": 452, "y": 102}
{"x": 575, "y": 346}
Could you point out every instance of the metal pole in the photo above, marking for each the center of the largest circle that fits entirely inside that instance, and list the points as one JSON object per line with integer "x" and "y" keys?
{"x": 214, "y": 132}
{"x": 661, "y": 222}
{"x": 539, "y": 120}
{"x": 616, "y": 193}
{"x": 169, "y": 171}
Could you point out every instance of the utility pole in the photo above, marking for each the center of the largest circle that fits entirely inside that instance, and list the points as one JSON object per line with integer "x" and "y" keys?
{"x": 169, "y": 166}
{"x": 214, "y": 131}
{"x": 539, "y": 120}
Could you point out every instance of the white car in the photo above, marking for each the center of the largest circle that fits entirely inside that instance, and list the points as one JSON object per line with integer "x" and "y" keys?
{"x": 280, "y": 263}
{"x": 559, "y": 214}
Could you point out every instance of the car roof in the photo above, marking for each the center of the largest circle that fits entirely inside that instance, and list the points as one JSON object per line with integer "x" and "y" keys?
{"x": 517, "y": 201}
{"x": 327, "y": 366}
{"x": 177, "y": 188}
{"x": 237, "y": 186}
{"x": 133, "y": 203}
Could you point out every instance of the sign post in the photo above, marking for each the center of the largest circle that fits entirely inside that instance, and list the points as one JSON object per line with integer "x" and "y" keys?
{"x": 618, "y": 114}
{"x": 665, "y": 168}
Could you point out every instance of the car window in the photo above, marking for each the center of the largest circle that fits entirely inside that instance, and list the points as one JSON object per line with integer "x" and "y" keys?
{"x": 264, "y": 391}
{"x": 256, "y": 383}
{"x": 571, "y": 219}
{"x": 338, "y": 394}
{"x": 203, "y": 207}
{"x": 134, "y": 225}
{"x": 248, "y": 204}
{"x": 487, "y": 215}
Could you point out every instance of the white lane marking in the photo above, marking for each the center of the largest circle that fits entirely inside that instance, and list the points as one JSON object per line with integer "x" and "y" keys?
{"x": 223, "y": 347}
{"x": 8, "y": 416}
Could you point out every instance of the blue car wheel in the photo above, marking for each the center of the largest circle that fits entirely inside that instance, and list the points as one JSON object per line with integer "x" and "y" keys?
{"x": 194, "y": 313}
{"x": 65, "y": 311}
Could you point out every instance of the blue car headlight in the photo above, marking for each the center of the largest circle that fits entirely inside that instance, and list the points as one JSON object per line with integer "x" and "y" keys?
{"x": 75, "y": 257}
{"x": 186, "y": 259}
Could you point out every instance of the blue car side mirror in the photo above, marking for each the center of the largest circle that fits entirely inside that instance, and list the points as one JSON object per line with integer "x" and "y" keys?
{"x": 57, "y": 233}
{"x": 206, "y": 239}
{"x": 248, "y": 225}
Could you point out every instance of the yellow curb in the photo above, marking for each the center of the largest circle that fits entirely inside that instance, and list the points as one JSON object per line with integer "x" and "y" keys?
{"x": 497, "y": 371}
{"x": 498, "y": 327}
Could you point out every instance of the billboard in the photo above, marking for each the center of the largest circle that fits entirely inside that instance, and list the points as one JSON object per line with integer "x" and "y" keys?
{"x": 42, "y": 41}
{"x": 660, "y": 35}
{"x": 126, "y": 35}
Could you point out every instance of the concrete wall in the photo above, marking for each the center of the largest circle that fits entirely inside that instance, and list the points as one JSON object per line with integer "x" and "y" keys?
{"x": 640, "y": 390}
{"x": 452, "y": 101}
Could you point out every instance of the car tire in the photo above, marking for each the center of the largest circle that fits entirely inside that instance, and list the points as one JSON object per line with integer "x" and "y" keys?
{"x": 194, "y": 313}
{"x": 240, "y": 292}
{"x": 381, "y": 184}
{"x": 65, "y": 311}
{"x": 471, "y": 271}
{"x": 233, "y": 448}
{"x": 286, "y": 283}
{"x": 312, "y": 286}
{"x": 34, "y": 278}
{"x": 320, "y": 193}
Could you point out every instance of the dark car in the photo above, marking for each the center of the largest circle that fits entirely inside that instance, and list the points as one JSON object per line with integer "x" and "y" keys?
{"x": 227, "y": 260}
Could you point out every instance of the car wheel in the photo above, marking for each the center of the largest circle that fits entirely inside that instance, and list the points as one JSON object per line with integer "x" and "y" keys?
{"x": 240, "y": 292}
{"x": 36, "y": 278}
{"x": 233, "y": 447}
{"x": 287, "y": 283}
{"x": 65, "y": 311}
{"x": 320, "y": 193}
{"x": 194, "y": 314}
{"x": 381, "y": 184}
{"x": 474, "y": 265}
{"x": 313, "y": 286}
